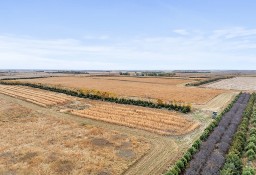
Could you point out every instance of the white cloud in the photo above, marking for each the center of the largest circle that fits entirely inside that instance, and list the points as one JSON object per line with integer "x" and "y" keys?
{"x": 181, "y": 31}
{"x": 212, "y": 50}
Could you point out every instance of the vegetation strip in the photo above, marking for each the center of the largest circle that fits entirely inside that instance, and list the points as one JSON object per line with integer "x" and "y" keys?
{"x": 181, "y": 108}
{"x": 209, "y": 133}
{"x": 207, "y": 81}
{"x": 250, "y": 149}
{"x": 233, "y": 163}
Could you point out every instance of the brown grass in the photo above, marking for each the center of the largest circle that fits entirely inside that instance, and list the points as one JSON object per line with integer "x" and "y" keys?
{"x": 32, "y": 143}
{"x": 145, "y": 88}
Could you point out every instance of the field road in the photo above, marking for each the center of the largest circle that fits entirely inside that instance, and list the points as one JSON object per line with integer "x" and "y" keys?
{"x": 164, "y": 150}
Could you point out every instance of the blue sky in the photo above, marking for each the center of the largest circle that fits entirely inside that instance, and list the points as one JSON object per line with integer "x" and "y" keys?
{"x": 128, "y": 34}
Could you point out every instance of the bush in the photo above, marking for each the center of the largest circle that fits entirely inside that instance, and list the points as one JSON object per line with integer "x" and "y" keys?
{"x": 251, "y": 145}
{"x": 248, "y": 171}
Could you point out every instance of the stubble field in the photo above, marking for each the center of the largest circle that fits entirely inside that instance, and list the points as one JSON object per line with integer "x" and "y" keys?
{"x": 237, "y": 83}
{"x": 144, "y": 88}
{"x": 53, "y": 133}
{"x": 36, "y": 143}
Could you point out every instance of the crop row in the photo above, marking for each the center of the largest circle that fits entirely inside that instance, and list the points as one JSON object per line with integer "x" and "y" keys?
{"x": 207, "y": 151}
{"x": 182, "y": 108}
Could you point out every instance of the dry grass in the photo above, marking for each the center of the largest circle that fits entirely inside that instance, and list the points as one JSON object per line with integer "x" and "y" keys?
{"x": 32, "y": 143}
{"x": 145, "y": 88}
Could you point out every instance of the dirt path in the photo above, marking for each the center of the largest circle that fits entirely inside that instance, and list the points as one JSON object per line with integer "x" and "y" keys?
{"x": 164, "y": 150}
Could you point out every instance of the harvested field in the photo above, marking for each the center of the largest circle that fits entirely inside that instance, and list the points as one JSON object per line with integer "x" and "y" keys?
{"x": 153, "y": 120}
{"x": 162, "y": 122}
{"x": 35, "y": 143}
{"x": 151, "y": 80}
{"x": 238, "y": 83}
{"x": 40, "y": 97}
{"x": 130, "y": 88}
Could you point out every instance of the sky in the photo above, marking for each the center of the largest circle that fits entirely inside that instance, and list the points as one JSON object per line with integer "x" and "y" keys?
{"x": 128, "y": 34}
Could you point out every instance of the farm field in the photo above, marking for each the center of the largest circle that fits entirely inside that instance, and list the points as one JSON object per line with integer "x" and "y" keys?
{"x": 153, "y": 120}
{"x": 156, "y": 121}
{"x": 238, "y": 83}
{"x": 54, "y": 125}
{"x": 33, "y": 142}
{"x": 77, "y": 128}
{"x": 145, "y": 89}
{"x": 40, "y": 97}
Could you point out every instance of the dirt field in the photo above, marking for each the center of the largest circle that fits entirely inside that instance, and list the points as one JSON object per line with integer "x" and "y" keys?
{"x": 35, "y": 143}
{"x": 238, "y": 83}
{"x": 145, "y": 88}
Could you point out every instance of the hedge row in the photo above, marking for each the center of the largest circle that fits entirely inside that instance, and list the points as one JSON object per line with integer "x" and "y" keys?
{"x": 233, "y": 164}
{"x": 206, "y": 81}
{"x": 182, "y": 163}
{"x": 251, "y": 137}
{"x": 176, "y": 107}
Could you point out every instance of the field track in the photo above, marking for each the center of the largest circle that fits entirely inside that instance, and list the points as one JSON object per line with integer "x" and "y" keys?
{"x": 163, "y": 152}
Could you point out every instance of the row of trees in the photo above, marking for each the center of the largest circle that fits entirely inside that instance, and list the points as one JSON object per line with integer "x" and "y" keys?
{"x": 251, "y": 139}
{"x": 233, "y": 163}
{"x": 206, "y": 81}
{"x": 250, "y": 149}
{"x": 211, "y": 156}
{"x": 104, "y": 96}
{"x": 181, "y": 164}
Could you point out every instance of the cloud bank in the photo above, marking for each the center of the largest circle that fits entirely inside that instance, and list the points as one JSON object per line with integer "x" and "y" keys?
{"x": 232, "y": 48}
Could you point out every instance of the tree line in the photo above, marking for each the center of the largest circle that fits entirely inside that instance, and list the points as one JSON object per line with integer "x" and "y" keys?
{"x": 207, "y": 154}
